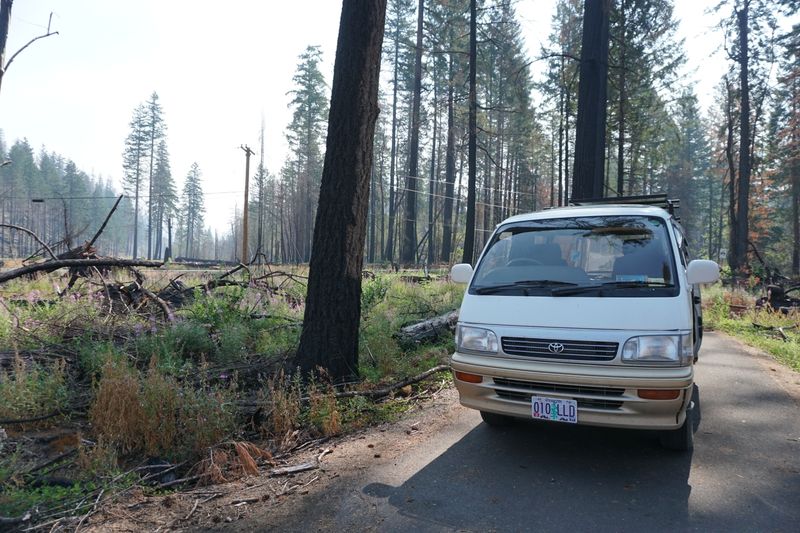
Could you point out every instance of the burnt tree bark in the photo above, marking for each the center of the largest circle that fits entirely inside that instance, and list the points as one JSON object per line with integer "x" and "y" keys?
{"x": 409, "y": 248}
{"x": 742, "y": 226}
{"x": 450, "y": 169}
{"x": 588, "y": 177}
{"x": 469, "y": 235}
{"x": 333, "y": 306}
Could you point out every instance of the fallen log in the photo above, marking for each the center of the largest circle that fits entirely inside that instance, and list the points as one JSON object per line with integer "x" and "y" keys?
{"x": 64, "y": 263}
{"x": 428, "y": 329}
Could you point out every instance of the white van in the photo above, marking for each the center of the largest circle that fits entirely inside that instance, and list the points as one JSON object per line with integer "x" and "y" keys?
{"x": 584, "y": 315}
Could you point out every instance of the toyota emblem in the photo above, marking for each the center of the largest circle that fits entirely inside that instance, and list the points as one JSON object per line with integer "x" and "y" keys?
{"x": 555, "y": 347}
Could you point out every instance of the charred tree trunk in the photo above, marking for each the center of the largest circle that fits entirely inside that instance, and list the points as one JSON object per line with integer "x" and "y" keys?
{"x": 409, "y": 248}
{"x": 621, "y": 110}
{"x": 469, "y": 236}
{"x": 5, "y": 17}
{"x": 743, "y": 193}
{"x": 388, "y": 253}
{"x": 333, "y": 306}
{"x": 795, "y": 178}
{"x": 450, "y": 170}
{"x": 590, "y": 131}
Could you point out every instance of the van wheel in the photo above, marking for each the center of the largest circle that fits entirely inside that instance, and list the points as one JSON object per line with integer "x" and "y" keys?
{"x": 496, "y": 420}
{"x": 681, "y": 439}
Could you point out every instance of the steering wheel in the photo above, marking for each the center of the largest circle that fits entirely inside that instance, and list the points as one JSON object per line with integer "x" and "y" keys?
{"x": 523, "y": 261}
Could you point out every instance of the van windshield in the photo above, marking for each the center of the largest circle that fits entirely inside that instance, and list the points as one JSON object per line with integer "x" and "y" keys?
{"x": 617, "y": 256}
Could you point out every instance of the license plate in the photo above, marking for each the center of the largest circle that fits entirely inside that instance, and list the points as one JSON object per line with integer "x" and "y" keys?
{"x": 554, "y": 409}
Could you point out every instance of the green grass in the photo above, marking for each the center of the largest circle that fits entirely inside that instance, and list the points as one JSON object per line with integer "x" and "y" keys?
{"x": 717, "y": 315}
{"x": 29, "y": 390}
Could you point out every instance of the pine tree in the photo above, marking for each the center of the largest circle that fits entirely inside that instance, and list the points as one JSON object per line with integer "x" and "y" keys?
{"x": 191, "y": 213}
{"x": 155, "y": 131}
{"x": 132, "y": 166}
{"x": 165, "y": 198}
{"x": 305, "y": 134}
{"x": 333, "y": 307}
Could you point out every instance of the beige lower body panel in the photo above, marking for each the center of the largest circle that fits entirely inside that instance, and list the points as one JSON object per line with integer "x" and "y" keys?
{"x": 607, "y": 395}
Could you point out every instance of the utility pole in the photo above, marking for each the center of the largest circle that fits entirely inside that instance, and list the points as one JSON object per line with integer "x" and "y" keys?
{"x": 247, "y": 153}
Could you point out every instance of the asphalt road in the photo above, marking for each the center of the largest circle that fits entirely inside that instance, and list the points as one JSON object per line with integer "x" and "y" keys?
{"x": 744, "y": 473}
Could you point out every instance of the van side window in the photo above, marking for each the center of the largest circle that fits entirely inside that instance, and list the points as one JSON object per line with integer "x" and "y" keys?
{"x": 682, "y": 244}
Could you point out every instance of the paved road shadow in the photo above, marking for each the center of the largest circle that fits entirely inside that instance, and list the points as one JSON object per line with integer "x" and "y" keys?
{"x": 537, "y": 476}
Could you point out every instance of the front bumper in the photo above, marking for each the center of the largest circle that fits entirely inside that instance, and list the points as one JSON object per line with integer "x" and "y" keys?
{"x": 607, "y": 395}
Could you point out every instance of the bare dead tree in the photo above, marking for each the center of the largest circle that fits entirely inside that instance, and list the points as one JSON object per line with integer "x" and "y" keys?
{"x": 5, "y": 16}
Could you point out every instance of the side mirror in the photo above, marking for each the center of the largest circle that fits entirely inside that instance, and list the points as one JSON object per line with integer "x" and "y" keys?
{"x": 702, "y": 271}
{"x": 461, "y": 273}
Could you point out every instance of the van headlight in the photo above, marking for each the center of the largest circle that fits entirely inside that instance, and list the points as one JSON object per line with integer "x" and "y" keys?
{"x": 476, "y": 339}
{"x": 675, "y": 349}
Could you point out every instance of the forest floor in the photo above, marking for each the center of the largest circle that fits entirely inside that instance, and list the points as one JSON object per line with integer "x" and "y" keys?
{"x": 134, "y": 383}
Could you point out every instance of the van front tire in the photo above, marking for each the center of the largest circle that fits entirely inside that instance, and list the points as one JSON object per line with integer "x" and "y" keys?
{"x": 496, "y": 420}
{"x": 681, "y": 439}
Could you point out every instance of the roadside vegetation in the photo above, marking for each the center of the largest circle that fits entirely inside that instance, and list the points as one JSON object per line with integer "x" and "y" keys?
{"x": 99, "y": 393}
{"x": 735, "y": 313}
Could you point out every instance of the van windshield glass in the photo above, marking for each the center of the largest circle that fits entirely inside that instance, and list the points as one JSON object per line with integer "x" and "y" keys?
{"x": 618, "y": 256}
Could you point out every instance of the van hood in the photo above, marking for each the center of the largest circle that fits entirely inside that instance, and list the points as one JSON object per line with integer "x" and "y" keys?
{"x": 606, "y": 313}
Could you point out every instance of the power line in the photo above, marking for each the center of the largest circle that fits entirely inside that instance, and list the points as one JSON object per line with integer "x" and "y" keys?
{"x": 214, "y": 193}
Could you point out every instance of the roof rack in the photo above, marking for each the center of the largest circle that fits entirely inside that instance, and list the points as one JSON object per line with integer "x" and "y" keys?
{"x": 658, "y": 200}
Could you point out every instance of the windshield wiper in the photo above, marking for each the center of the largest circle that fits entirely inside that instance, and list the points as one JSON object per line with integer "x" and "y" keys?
{"x": 525, "y": 284}
{"x": 566, "y": 291}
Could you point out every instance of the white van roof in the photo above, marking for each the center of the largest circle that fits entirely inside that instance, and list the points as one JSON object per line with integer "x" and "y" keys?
{"x": 590, "y": 211}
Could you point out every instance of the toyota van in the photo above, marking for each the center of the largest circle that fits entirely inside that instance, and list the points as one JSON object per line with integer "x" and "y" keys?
{"x": 584, "y": 315}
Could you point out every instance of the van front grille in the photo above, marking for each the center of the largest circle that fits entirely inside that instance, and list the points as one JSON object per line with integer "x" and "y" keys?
{"x": 559, "y": 388}
{"x": 560, "y": 349}
{"x": 589, "y": 403}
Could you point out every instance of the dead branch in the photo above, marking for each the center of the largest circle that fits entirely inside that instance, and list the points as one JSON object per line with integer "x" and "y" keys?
{"x": 29, "y": 420}
{"x": 32, "y": 234}
{"x": 26, "y": 45}
{"x": 381, "y": 393}
{"x": 302, "y": 467}
{"x": 780, "y": 329}
{"x": 63, "y": 263}
{"x": 103, "y": 225}
{"x": 161, "y": 303}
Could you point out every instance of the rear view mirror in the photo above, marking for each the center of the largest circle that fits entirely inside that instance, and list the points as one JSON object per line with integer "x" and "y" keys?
{"x": 461, "y": 273}
{"x": 702, "y": 271}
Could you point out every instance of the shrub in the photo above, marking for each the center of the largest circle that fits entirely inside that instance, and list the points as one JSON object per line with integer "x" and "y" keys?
{"x": 323, "y": 412}
{"x": 157, "y": 415}
{"x": 29, "y": 390}
{"x": 283, "y": 402}
{"x": 207, "y": 416}
{"x": 117, "y": 414}
{"x": 190, "y": 339}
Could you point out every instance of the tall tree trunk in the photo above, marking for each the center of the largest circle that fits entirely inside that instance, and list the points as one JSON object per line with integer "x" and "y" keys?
{"x": 469, "y": 236}
{"x": 389, "y": 251}
{"x": 795, "y": 179}
{"x": 450, "y": 169}
{"x": 5, "y": 17}
{"x": 561, "y": 91}
{"x": 409, "y": 248}
{"x": 372, "y": 192}
{"x": 333, "y": 306}
{"x": 743, "y": 199}
{"x": 590, "y": 130}
{"x": 432, "y": 181}
{"x": 621, "y": 110}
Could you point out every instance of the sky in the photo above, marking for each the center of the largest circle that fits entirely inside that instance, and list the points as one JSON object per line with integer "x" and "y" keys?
{"x": 217, "y": 68}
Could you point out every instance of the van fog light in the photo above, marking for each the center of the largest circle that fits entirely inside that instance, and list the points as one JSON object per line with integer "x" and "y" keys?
{"x": 476, "y": 339}
{"x": 676, "y": 349}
